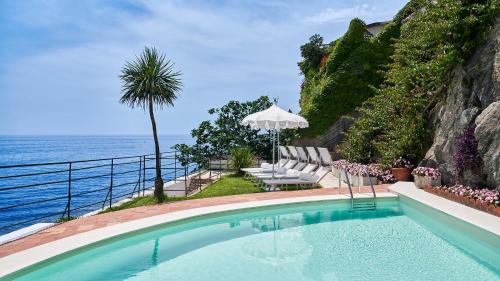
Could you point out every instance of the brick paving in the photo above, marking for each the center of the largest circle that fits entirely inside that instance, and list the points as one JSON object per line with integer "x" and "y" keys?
{"x": 102, "y": 220}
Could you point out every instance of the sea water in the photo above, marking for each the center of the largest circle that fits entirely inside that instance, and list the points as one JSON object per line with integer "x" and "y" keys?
{"x": 16, "y": 150}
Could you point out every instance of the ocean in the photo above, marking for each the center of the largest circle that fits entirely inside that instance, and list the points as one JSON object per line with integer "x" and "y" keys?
{"x": 41, "y": 194}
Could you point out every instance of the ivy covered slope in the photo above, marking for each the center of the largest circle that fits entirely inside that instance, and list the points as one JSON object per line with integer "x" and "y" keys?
{"x": 339, "y": 76}
{"x": 436, "y": 38}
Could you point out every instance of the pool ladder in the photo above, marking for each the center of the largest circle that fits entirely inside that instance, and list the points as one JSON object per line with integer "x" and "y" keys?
{"x": 360, "y": 204}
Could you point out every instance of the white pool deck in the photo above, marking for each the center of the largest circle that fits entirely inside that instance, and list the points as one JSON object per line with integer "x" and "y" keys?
{"x": 475, "y": 217}
{"x": 23, "y": 259}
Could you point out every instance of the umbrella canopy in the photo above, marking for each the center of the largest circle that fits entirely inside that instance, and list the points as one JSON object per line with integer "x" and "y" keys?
{"x": 274, "y": 118}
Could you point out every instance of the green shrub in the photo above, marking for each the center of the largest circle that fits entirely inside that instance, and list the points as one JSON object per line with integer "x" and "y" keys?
{"x": 354, "y": 68}
{"x": 241, "y": 157}
{"x": 433, "y": 41}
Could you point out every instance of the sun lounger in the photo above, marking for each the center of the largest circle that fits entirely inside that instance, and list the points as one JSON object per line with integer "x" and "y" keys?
{"x": 313, "y": 155}
{"x": 302, "y": 154}
{"x": 284, "y": 152}
{"x": 289, "y": 174}
{"x": 304, "y": 179}
{"x": 293, "y": 152}
{"x": 326, "y": 159}
{"x": 281, "y": 170}
{"x": 266, "y": 167}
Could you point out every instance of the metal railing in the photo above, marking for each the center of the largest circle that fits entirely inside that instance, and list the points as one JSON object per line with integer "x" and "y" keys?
{"x": 49, "y": 192}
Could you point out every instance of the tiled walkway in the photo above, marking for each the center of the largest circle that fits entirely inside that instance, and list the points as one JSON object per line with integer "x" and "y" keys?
{"x": 97, "y": 221}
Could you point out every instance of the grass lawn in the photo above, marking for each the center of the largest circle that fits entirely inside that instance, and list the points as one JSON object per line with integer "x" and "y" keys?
{"x": 228, "y": 185}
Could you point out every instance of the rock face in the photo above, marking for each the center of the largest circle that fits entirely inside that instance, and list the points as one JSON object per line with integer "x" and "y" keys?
{"x": 471, "y": 97}
{"x": 488, "y": 135}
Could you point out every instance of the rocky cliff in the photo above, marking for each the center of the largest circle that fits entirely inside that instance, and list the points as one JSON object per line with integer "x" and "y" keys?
{"x": 472, "y": 97}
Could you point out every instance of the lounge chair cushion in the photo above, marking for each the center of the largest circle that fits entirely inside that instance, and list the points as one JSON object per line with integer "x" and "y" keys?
{"x": 292, "y": 173}
{"x": 282, "y": 170}
{"x": 306, "y": 176}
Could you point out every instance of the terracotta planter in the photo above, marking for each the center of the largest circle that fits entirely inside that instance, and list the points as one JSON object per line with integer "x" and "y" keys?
{"x": 401, "y": 174}
{"x": 423, "y": 181}
{"x": 494, "y": 210}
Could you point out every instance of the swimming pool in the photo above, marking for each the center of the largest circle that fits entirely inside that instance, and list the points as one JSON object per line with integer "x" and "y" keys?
{"x": 401, "y": 240}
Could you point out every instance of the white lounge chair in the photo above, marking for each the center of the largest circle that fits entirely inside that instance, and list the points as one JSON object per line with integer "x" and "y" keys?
{"x": 326, "y": 158}
{"x": 293, "y": 152}
{"x": 313, "y": 155}
{"x": 289, "y": 174}
{"x": 302, "y": 154}
{"x": 304, "y": 179}
{"x": 279, "y": 170}
{"x": 266, "y": 167}
{"x": 284, "y": 152}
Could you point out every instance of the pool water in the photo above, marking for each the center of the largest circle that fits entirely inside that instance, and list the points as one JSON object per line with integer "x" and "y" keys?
{"x": 315, "y": 241}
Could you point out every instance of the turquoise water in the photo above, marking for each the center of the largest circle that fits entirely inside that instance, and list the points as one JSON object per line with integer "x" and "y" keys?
{"x": 322, "y": 241}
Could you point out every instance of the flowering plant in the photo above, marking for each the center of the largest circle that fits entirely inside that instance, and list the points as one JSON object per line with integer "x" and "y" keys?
{"x": 426, "y": 171}
{"x": 485, "y": 196}
{"x": 340, "y": 163}
{"x": 466, "y": 155}
{"x": 387, "y": 177}
{"x": 402, "y": 163}
{"x": 361, "y": 170}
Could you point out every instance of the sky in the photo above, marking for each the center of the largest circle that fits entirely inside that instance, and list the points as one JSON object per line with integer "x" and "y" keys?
{"x": 60, "y": 60}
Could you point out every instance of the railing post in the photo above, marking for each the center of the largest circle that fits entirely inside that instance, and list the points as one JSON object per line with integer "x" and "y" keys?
{"x": 144, "y": 175}
{"x": 111, "y": 184}
{"x": 175, "y": 166}
{"x": 139, "y": 181}
{"x": 69, "y": 192}
{"x": 199, "y": 177}
{"x": 185, "y": 179}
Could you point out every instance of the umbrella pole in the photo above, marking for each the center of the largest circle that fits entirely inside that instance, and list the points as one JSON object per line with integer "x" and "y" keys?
{"x": 274, "y": 134}
{"x": 279, "y": 154}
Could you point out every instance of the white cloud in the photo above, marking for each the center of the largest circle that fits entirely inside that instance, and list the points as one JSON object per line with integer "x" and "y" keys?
{"x": 336, "y": 15}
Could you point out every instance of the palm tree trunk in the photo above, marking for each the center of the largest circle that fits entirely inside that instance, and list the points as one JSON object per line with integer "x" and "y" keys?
{"x": 158, "y": 193}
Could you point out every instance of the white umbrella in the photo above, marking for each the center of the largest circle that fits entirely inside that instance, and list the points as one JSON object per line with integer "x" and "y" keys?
{"x": 274, "y": 118}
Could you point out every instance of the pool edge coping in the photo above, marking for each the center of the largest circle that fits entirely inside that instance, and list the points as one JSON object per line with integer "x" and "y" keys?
{"x": 21, "y": 260}
{"x": 459, "y": 211}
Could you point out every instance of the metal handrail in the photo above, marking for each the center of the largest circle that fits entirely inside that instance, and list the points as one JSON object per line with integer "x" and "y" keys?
{"x": 65, "y": 184}
{"x": 348, "y": 184}
{"x": 371, "y": 184}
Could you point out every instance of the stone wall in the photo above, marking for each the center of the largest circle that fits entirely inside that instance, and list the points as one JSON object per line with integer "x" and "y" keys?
{"x": 332, "y": 137}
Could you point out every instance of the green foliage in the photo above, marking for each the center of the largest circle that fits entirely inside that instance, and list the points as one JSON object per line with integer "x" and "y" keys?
{"x": 353, "y": 39}
{"x": 216, "y": 138}
{"x": 150, "y": 77}
{"x": 312, "y": 52}
{"x": 433, "y": 40}
{"x": 354, "y": 67}
{"x": 241, "y": 157}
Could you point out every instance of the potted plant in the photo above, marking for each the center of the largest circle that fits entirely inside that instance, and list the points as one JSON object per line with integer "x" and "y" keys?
{"x": 425, "y": 176}
{"x": 401, "y": 169}
{"x": 337, "y": 166}
{"x": 361, "y": 175}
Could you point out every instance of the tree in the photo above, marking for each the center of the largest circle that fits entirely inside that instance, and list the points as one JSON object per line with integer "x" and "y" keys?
{"x": 312, "y": 52}
{"x": 217, "y": 138}
{"x": 150, "y": 82}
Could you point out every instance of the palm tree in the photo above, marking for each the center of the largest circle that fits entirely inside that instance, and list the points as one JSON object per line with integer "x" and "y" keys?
{"x": 150, "y": 82}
